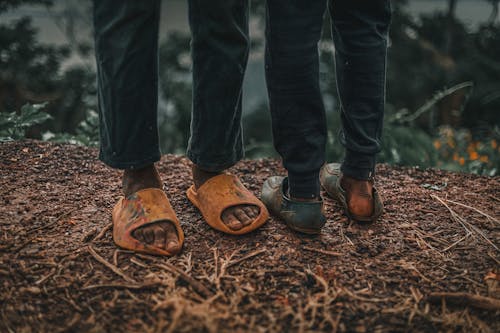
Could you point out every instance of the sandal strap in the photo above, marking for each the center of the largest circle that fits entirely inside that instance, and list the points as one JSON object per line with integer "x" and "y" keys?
{"x": 144, "y": 207}
{"x": 220, "y": 193}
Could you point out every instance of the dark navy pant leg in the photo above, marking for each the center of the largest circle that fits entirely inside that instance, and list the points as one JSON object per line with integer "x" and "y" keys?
{"x": 360, "y": 33}
{"x": 219, "y": 49}
{"x": 292, "y": 72}
{"x": 126, "y": 48}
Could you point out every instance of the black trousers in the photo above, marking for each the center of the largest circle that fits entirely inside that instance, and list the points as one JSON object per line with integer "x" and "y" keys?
{"x": 126, "y": 36}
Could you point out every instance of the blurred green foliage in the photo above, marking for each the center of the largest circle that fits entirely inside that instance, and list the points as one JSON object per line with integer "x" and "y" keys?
{"x": 427, "y": 55}
{"x": 33, "y": 72}
{"x": 13, "y": 125}
{"x": 458, "y": 151}
{"x": 442, "y": 86}
{"x": 86, "y": 133}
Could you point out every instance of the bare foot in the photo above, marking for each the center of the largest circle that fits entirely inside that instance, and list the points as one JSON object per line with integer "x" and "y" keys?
{"x": 359, "y": 195}
{"x": 235, "y": 217}
{"x": 161, "y": 234}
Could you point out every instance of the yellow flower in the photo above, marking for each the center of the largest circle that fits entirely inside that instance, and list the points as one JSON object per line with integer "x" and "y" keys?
{"x": 437, "y": 144}
{"x": 484, "y": 158}
{"x": 461, "y": 161}
{"x": 451, "y": 142}
{"x": 494, "y": 144}
{"x": 473, "y": 155}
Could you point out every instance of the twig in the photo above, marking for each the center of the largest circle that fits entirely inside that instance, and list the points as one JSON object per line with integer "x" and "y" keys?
{"x": 329, "y": 253}
{"x": 336, "y": 322}
{"x": 467, "y": 226}
{"x": 138, "y": 262}
{"x": 71, "y": 301}
{"x": 102, "y": 232}
{"x": 494, "y": 259}
{"x": 61, "y": 216}
{"x": 197, "y": 286}
{"x": 454, "y": 215}
{"x": 89, "y": 235}
{"x": 407, "y": 265}
{"x": 43, "y": 279}
{"x": 144, "y": 285}
{"x": 115, "y": 257}
{"x": 420, "y": 236}
{"x": 477, "y": 230}
{"x": 456, "y": 243}
{"x": 216, "y": 264}
{"x": 112, "y": 267}
{"x": 476, "y": 210}
{"x": 320, "y": 280}
{"x": 467, "y": 299}
{"x": 248, "y": 256}
{"x": 364, "y": 299}
{"x": 76, "y": 318}
{"x": 24, "y": 244}
{"x": 222, "y": 268}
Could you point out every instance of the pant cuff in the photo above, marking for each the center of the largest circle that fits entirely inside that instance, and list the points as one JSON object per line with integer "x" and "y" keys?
{"x": 305, "y": 186}
{"x": 130, "y": 163}
{"x": 358, "y": 165}
{"x": 211, "y": 166}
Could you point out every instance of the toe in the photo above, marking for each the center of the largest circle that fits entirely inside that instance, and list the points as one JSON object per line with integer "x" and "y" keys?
{"x": 162, "y": 235}
{"x": 172, "y": 239}
{"x": 232, "y": 222}
{"x": 149, "y": 235}
{"x": 159, "y": 234}
{"x": 242, "y": 217}
{"x": 255, "y": 210}
{"x": 250, "y": 211}
{"x": 139, "y": 235}
{"x": 173, "y": 246}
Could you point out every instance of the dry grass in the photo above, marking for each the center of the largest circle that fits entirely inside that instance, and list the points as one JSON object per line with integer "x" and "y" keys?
{"x": 430, "y": 264}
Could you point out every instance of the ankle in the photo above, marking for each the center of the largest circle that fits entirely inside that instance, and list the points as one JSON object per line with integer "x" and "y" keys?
{"x": 200, "y": 176}
{"x": 348, "y": 183}
{"x": 134, "y": 180}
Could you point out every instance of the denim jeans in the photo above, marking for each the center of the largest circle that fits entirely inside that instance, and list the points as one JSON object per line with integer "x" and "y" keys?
{"x": 126, "y": 35}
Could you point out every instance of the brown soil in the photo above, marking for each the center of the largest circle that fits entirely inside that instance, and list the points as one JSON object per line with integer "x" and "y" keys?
{"x": 60, "y": 271}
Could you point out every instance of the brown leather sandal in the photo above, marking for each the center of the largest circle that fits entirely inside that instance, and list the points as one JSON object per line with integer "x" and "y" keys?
{"x": 141, "y": 208}
{"x": 221, "y": 192}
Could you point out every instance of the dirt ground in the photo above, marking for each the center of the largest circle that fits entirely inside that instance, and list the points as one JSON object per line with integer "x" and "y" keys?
{"x": 61, "y": 272}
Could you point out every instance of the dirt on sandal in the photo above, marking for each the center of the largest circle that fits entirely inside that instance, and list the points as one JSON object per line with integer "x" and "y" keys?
{"x": 432, "y": 263}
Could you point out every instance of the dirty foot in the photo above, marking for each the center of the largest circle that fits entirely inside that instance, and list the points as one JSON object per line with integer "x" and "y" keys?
{"x": 235, "y": 217}
{"x": 161, "y": 234}
{"x": 359, "y": 195}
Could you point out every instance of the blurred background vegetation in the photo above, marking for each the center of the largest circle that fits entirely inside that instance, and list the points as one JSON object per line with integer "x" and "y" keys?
{"x": 443, "y": 81}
